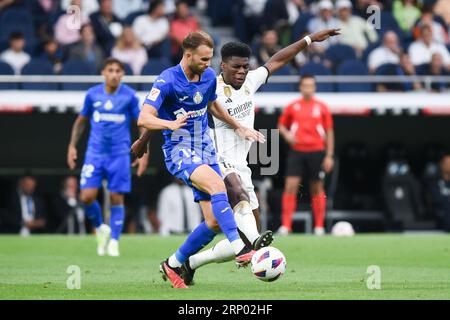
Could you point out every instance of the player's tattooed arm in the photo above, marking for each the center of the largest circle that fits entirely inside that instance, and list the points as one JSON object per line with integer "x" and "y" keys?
{"x": 77, "y": 130}
{"x": 288, "y": 53}
{"x": 247, "y": 133}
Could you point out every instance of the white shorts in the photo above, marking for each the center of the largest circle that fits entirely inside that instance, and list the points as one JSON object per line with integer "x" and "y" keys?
{"x": 245, "y": 173}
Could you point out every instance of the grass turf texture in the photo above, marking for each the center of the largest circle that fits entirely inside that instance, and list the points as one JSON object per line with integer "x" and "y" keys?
{"x": 412, "y": 267}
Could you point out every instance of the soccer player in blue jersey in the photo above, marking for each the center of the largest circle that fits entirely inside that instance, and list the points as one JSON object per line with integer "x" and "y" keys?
{"x": 178, "y": 104}
{"x": 110, "y": 107}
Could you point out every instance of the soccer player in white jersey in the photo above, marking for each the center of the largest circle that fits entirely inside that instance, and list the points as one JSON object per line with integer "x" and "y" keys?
{"x": 235, "y": 90}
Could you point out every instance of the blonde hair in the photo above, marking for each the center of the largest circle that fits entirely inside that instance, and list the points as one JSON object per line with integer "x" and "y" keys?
{"x": 120, "y": 43}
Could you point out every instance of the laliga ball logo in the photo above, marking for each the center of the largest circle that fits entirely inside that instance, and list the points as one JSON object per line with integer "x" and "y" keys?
{"x": 268, "y": 264}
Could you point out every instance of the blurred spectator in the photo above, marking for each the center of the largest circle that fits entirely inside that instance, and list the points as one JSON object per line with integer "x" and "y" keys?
{"x": 404, "y": 68}
{"x": 65, "y": 35}
{"x": 5, "y": 3}
{"x": 249, "y": 18}
{"x": 442, "y": 8}
{"x": 294, "y": 9}
{"x": 436, "y": 68}
{"x": 388, "y": 52}
{"x": 439, "y": 190}
{"x": 360, "y": 7}
{"x": 438, "y": 29}
{"x": 107, "y": 27}
{"x": 176, "y": 209}
{"x": 129, "y": 50}
{"x": 68, "y": 214}
{"x": 53, "y": 54}
{"x": 422, "y": 49}
{"x": 15, "y": 56}
{"x": 182, "y": 23}
{"x": 25, "y": 213}
{"x": 406, "y": 13}
{"x": 88, "y": 7}
{"x": 152, "y": 28}
{"x": 86, "y": 49}
{"x": 123, "y": 8}
{"x": 267, "y": 47}
{"x": 276, "y": 15}
{"x": 354, "y": 30}
{"x": 325, "y": 20}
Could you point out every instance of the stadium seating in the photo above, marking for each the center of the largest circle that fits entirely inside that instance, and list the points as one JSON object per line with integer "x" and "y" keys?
{"x": 77, "y": 67}
{"x": 353, "y": 68}
{"x": 388, "y": 23}
{"x": 285, "y": 86}
{"x": 6, "y": 69}
{"x": 300, "y": 26}
{"x": 38, "y": 67}
{"x": 338, "y": 53}
{"x": 8, "y": 24}
{"x": 317, "y": 69}
{"x": 154, "y": 67}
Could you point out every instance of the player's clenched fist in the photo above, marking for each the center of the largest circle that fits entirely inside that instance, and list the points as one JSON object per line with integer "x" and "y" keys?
{"x": 71, "y": 157}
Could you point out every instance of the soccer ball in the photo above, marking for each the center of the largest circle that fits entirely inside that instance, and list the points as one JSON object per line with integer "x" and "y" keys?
{"x": 342, "y": 229}
{"x": 268, "y": 264}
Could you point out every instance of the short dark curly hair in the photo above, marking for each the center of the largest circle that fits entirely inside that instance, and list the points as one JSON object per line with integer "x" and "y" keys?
{"x": 235, "y": 49}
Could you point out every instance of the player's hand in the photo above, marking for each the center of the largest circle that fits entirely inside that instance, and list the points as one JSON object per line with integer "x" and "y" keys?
{"x": 139, "y": 148}
{"x": 324, "y": 34}
{"x": 141, "y": 164}
{"x": 290, "y": 139}
{"x": 180, "y": 121}
{"x": 328, "y": 163}
{"x": 251, "y": 134}
{"x": 72, "y": 157}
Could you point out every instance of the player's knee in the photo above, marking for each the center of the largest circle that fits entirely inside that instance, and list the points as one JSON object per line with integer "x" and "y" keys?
{"x": 317, "y": 187}
{"x": 87, "y": 198}
{"x": 291, "y": 187}
{"x": 216, "y": 186}
{"x": 117, "y": 199}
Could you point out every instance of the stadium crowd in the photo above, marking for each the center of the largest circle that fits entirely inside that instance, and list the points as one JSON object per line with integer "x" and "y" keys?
{"x": 410, "y": 37}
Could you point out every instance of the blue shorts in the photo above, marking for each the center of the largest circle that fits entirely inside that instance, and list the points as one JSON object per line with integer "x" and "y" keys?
{"x": 183, "y": 165}
{"x": 115, "y": 169}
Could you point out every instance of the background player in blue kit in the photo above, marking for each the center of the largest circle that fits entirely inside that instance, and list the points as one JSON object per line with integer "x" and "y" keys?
{"x": 110, "y": 106}
{"x": 178, "y": 105}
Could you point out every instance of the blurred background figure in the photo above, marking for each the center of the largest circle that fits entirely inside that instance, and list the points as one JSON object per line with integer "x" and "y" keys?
{"x": 307, "y": 126}
{"x": 53, "y": 54}
{"x": 324, "y": 20}
{"x": 64, "y": 35}
{"x": 129, "y": 50}
{"x": 267, "y": 47}
{"x": 176, "y": 209}
{"x": 25, "y": 212}
{"x": 66, "y": 209}
{"x": 15, "y": 56}
{"x": 152, "y": 29}
{"x": 87, "y": 49}
{"x": 182, "y": 23}
{"x": 107, "y": 26}
{"x": 439, "y": 190}
{"x": 388, "y": 52}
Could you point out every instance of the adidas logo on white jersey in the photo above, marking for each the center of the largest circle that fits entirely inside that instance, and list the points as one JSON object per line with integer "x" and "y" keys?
{"x": 229, "y": 100}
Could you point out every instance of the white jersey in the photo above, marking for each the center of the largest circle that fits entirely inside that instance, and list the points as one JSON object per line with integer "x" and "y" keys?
{"x": 240, "y": 105}
{"x": 232, "y": 150}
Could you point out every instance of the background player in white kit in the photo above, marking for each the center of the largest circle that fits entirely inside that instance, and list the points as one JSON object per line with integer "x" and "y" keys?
{"x": 235, "y": 90}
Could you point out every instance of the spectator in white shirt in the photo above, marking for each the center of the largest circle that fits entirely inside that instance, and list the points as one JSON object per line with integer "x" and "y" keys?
{"x": 123, "y": 8}
{"x": 388, "y": 52}
{"x": 422, "y": 49}
{"x": 325, "y": 20}
{"x": 129, "y": 50}
{"x": 176, "y": 209}
{"x": 152, "y": 28}
{"x": 354, "y": 30}
{"x": 15, "y": 56}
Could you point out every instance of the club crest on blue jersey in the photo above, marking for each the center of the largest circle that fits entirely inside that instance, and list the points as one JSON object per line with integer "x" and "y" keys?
{"x": 108, "y": 105}
{"x": 198, "y": 98}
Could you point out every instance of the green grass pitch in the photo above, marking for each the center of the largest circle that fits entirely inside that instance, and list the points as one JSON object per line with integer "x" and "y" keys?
{"x": 412, "y": 267}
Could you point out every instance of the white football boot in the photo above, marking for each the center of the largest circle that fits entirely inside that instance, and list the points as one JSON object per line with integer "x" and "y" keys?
{"x": 318, "y": 231}
{"x": 103, "y": 232}
{"x": 113, "y": 248}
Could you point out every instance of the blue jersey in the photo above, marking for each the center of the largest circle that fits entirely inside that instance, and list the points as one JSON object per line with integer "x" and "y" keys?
{"x": 110, "y": 117}
{"x": 173, "y": 95}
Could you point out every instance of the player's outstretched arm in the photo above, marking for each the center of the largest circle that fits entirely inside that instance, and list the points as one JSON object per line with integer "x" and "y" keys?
{"x": 247, "y": 133}
{"x": 288, "y": 53}
{"x": 148, "y": 119}
{"x": 77, "y": 130}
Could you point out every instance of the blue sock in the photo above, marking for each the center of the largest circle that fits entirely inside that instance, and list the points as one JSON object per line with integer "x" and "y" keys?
{"x": 198, "y": 238}
{"x": 94, "y": 213}
{"x": 116, "y": 221}
{"x": 224, "y": 216}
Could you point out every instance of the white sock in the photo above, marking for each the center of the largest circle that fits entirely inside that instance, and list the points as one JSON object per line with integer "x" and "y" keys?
{"x": 173, "y": 261}
{"x": 221, "y": 252}
{"x": 245, "y": 220}
{"x": 237, "y": 245}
